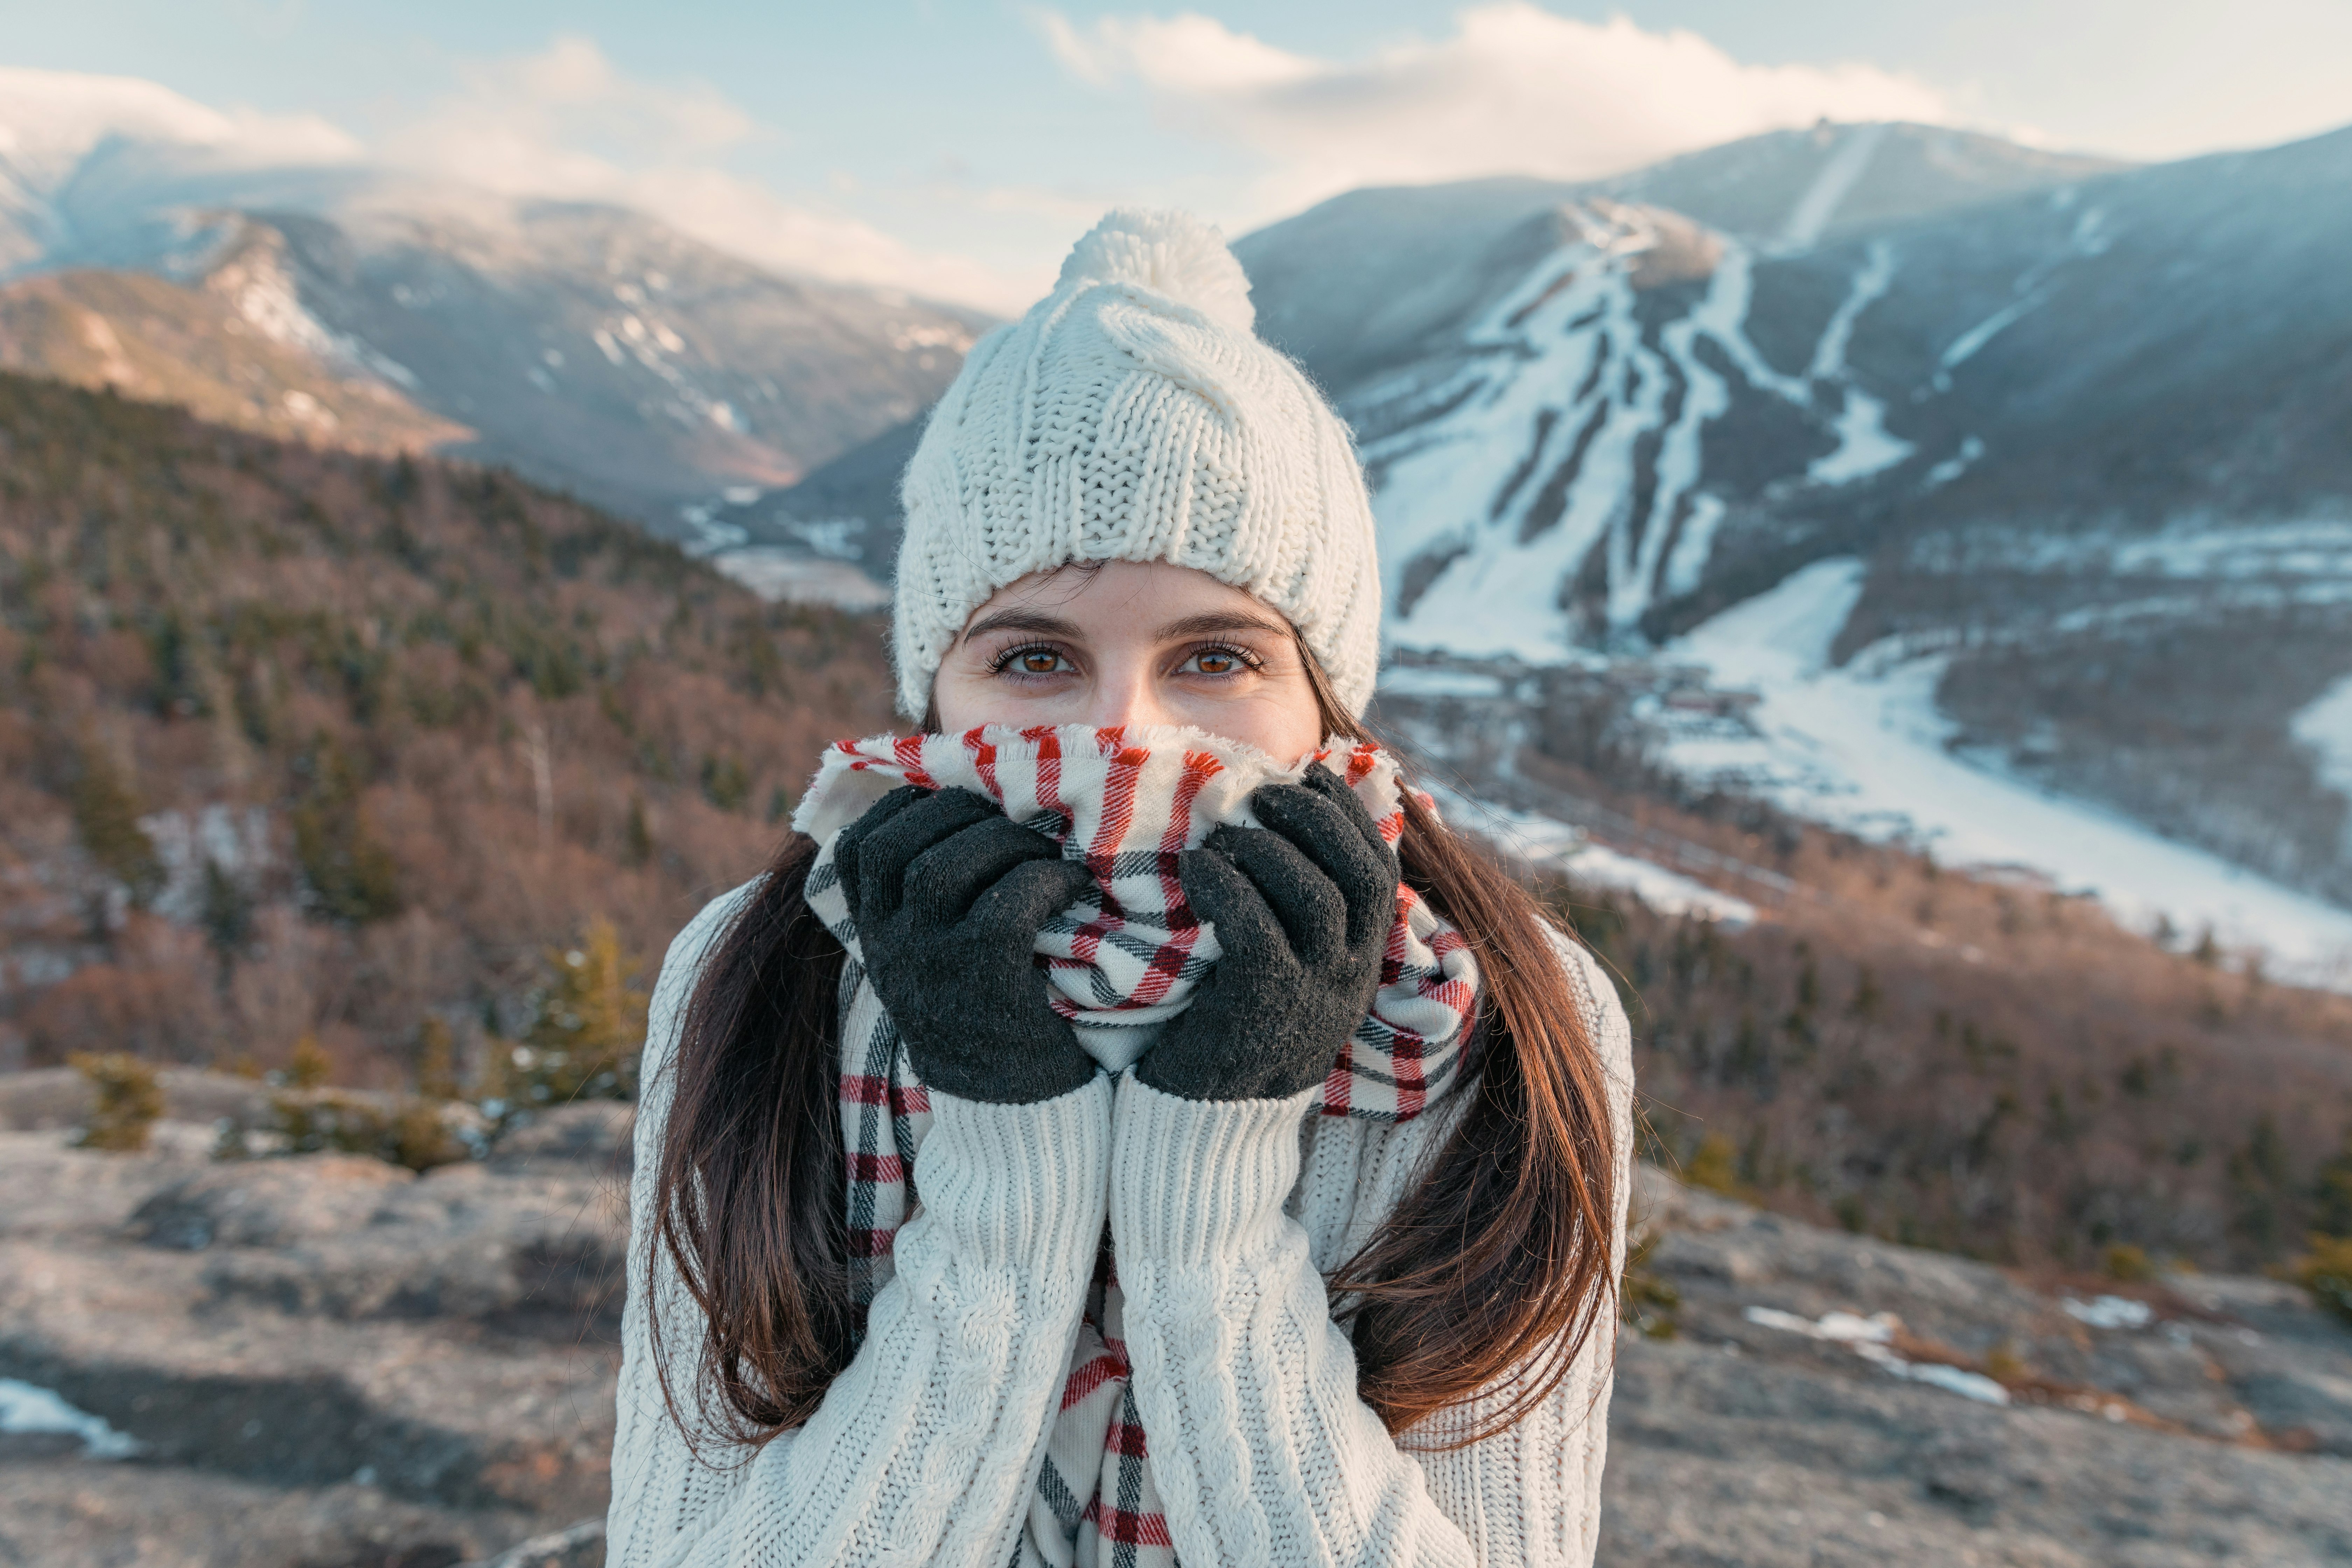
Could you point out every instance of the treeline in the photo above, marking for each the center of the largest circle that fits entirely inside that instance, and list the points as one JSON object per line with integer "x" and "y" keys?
{"x": 298, "y": 744}
{"x": 1980, "y": 1065}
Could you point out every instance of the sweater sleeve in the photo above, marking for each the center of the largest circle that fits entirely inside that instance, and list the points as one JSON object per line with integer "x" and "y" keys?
{"x": 926, "y": 1449}
{"x": 1260, "y": 1447}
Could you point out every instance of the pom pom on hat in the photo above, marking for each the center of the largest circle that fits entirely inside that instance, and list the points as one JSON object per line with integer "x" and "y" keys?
{"x": 1170, "y": 253}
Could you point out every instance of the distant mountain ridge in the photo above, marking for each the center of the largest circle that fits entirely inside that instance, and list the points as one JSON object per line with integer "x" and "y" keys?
{"x": 1378, "y": 278}
{"x": 150, "y": 338}
{"x": 1366, "y": 278}
{"x": 588, "y": 347}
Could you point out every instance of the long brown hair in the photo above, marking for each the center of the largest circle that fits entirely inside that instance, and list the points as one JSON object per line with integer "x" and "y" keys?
{"x": 1486, "y": 1279}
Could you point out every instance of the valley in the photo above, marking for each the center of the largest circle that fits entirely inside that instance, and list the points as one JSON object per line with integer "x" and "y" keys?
{"x": 1977, "y": 1060}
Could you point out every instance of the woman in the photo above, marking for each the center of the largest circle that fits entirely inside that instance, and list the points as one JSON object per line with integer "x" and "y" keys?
{"x": 1118, "y": 1143}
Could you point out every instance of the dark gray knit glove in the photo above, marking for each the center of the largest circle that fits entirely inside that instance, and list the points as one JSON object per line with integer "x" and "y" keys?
{"x": 947, "y": 896}
{"x": 1303, "y": 908}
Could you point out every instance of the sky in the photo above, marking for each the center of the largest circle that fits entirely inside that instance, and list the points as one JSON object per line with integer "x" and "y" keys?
{"x": 956, "y": 147}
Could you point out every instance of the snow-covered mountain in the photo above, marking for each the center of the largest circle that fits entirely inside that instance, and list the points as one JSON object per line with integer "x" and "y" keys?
{"x": 286, "y": 285}
{"x": 2082, "y": 436}
{"x": 1562, "y": 391}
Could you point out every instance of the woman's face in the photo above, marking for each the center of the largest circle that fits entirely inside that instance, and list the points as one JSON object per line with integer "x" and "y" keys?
{"x": 1131, "y": 642}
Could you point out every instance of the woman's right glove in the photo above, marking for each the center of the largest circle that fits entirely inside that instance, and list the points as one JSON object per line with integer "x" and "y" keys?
{"x": 947, "y": 896}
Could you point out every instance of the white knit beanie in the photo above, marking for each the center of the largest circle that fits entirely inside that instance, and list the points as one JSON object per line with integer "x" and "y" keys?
{"x": 1132, "y": 415}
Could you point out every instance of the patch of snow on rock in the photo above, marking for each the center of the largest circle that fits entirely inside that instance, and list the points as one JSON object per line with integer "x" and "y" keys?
{"x": 1953, "y": 467}
{"x": 1823, "y": 198}
{"x": 1868, "y": 1338}
{"x": 2110, "y": 1313}
{"x": 1865, "y": 447}
{"x": 1877, "y": 272}
{"x": 27, "y": 1408}
{"x": 1964, "y": 347}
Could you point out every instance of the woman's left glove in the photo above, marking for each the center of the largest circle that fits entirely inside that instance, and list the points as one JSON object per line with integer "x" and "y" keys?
{"x": 947, "y": 896}
{"x": 1303, "y": 908}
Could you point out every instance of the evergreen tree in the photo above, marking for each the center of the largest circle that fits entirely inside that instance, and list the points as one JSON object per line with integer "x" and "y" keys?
{"x": 106, "y": 819}
{"x": 2335, "y": 1194}
{"x": 2326, "y": 1273}
{"x": 590, "y": 1027}
{"x": 308, "y": 1068}
{"x": 436, "y": 1059}
{"x": 726, "y": 782}
{"x": 227, "y": 913}
{"x": 352, "y": 876}
{"x": 640, "y": 837}
{"x": 126, "y": 1099}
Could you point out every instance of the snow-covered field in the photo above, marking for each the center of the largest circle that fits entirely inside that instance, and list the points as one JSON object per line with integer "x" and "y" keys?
{"x": 2325, "y": 726}
{"x": 1863, "y": 747}
{"x": 1544, "y": 841}
{"x": 775, "y": 573}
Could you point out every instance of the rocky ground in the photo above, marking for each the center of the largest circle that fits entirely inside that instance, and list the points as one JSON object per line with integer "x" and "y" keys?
{"x": 328, "y": 1362}
{"x": 2204, "y": 1419}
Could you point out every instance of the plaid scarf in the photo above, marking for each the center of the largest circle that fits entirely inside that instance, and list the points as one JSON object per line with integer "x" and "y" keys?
{"x": 1121, "y": 962}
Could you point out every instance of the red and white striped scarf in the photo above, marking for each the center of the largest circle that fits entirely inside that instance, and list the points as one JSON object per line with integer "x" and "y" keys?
{"x": 1122, "y": 960}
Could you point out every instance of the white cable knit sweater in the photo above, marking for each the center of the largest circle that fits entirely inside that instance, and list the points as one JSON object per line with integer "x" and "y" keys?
{"x": 1224, "y": 1216}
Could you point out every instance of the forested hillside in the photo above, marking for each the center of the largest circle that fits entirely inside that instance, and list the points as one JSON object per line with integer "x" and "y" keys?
{"x": 296, "y": 742}
{"x": 1983, "y": 1068}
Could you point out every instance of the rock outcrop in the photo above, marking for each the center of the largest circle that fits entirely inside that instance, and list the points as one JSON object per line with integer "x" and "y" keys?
{"x": 331, "y": 1362}
{"x": 2202, "y": 1419}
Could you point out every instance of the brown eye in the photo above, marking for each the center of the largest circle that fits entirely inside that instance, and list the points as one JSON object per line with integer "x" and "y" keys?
{"x": 1036, "y": 659}
{"x": 1218, "y": 663}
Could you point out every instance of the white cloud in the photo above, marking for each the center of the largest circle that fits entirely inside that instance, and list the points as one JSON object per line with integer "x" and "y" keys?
{"x": 49, "y": 120}
{"x": 1515, "y": 89}
{"x": 567, "y": 123}
{"x": 1185, "y": 54}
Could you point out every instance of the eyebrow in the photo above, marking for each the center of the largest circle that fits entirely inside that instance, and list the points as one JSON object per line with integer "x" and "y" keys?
{"x": 1023, "y": 621}
{"x": 1217, "y": 621}
{"x": 1042, "y": 625}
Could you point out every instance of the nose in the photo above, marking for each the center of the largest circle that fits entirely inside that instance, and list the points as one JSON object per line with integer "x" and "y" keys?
{"x": 1127, "y": 692}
